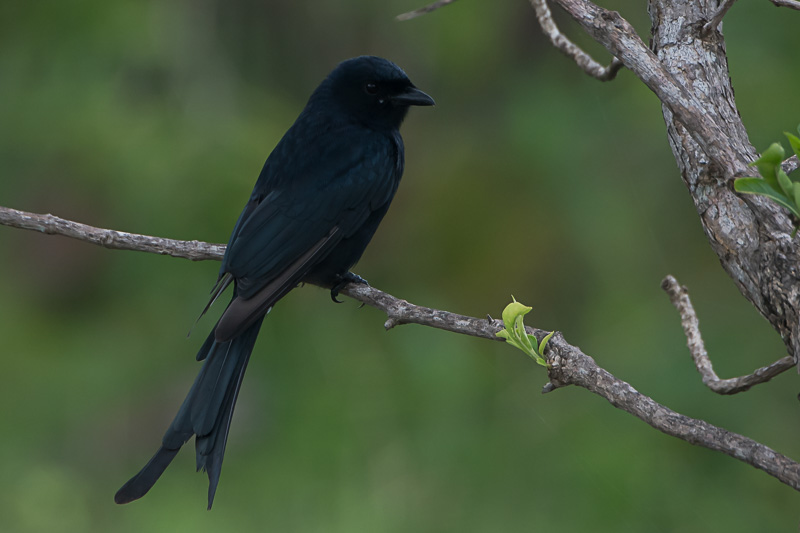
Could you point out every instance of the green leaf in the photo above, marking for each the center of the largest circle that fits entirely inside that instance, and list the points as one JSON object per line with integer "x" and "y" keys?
{"x": 794, "y": 141}
{"x": 519, "y": 328}
{"x": 785, "y": 183}
{"x": 543, "y": 344}
{"x": 797, "y": 194}
{"x": 755, "y": 186}
{"x": 769, "y": 162}
{"x": 771, "y": 156}
{"x": 759, "y": 186}
{"x": 512, "y": 311}
{"x": 515, "y": 334}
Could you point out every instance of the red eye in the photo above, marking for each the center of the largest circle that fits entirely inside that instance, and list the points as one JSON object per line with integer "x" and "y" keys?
{"x": 371, "y": 88}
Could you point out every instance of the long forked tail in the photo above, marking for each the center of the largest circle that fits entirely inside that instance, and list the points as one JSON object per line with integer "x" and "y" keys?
{"x": 206, "y": 412}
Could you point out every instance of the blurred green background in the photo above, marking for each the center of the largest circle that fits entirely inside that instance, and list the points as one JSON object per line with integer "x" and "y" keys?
{"x": 155, "y": 117}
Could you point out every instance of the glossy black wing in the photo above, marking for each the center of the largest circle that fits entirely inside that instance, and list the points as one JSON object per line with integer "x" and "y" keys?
{"x": 308, "y": 205}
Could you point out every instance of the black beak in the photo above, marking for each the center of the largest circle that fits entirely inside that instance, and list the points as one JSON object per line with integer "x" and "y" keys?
{"x": 412, "y": 96}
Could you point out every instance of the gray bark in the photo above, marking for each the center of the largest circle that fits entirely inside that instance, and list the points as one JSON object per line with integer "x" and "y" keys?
{"x": 751, "y": 236}
{"x": 687, "y": 68}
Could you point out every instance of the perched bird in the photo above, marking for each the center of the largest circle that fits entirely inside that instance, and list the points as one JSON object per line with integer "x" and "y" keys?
{"x": 317, "y": 203}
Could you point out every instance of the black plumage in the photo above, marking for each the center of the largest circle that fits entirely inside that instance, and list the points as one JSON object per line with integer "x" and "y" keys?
{"x": 317, "y": 203}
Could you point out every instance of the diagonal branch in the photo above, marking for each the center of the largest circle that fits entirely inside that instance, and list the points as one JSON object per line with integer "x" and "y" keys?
{"x": 569, "y": 365}
{"x": 791, "y": 4}
{"x": 423, "y": 10}
{"x": 570, "y": 49}
{"x": 791, "y": 164}
{"x": 619, "y": 37}
{"x": 679, "y": 297}
{"x": 573, "y": 367}
{"x": 716, "y": 20}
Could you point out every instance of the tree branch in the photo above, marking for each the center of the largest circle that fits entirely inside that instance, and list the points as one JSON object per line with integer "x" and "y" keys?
{"x": 790, "y": 165}
{"x": 791, "y": 4}
{"x": 688, "y": 72}
{"x": 423, "y": 10}
{"x": 716, "y": 20}
{"x": 117, "y": 240}
{"x": 570, "y": 49}
{"x": 573, "y": 367}
{"x": 620, "y": 38}
{"x": 679, "y": 296}
{"x": 569, "y": 365}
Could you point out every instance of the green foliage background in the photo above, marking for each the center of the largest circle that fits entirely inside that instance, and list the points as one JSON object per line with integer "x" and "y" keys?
{"x": 156, "y": 116}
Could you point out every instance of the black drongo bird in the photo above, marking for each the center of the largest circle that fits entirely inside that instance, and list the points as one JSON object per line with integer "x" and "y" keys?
{"x": 317, "y": 202}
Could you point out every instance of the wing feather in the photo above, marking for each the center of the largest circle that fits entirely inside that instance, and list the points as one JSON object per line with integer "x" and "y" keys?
{"x": 292, "y": 222}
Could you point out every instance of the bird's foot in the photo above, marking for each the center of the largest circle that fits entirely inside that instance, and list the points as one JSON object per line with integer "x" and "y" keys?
{"x": 344, "y": 280}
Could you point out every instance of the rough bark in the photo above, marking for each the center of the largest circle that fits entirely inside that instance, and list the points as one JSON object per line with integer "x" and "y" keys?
{"x": 109, "y": 238}
{"x": 687, "y": 69}
{"x": 751, "y": 236}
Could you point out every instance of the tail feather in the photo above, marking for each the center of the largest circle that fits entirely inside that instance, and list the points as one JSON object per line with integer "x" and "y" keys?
{"x": 142, "y": 482}
{"x": 206, "y": 412}
{"x": 210, "y": 448}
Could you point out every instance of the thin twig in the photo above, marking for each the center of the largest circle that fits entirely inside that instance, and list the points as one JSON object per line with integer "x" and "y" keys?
{"x": 790, "y": 165}
{"x": 423, "y": 10}
{"x": 568, "y": 364}
{"x": 679, "y": 297}
{"x": 570, "y": 49}
{"x": 791, "y": 4}
{"x": 716, "y": 20}
{"x": 119, "y": 240}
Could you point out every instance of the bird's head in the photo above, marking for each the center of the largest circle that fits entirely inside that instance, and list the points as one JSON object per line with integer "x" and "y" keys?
{"x": 373, "y": 90}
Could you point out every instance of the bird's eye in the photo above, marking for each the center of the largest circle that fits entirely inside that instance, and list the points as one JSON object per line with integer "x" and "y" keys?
{"x": 371, "y": 88}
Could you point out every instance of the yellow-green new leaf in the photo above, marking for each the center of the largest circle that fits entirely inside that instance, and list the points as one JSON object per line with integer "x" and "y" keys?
{"x": 519, "y": 329}
{"x": 515, "y": 335}
{"x": 512, "y": 311}
{"x": 543, "y": 344}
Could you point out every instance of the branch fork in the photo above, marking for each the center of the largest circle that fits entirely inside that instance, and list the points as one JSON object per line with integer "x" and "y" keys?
{"x": 679, "y": 296}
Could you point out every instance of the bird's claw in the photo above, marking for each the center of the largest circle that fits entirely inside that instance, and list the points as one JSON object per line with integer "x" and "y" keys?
{"x": 347, "y": 278}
